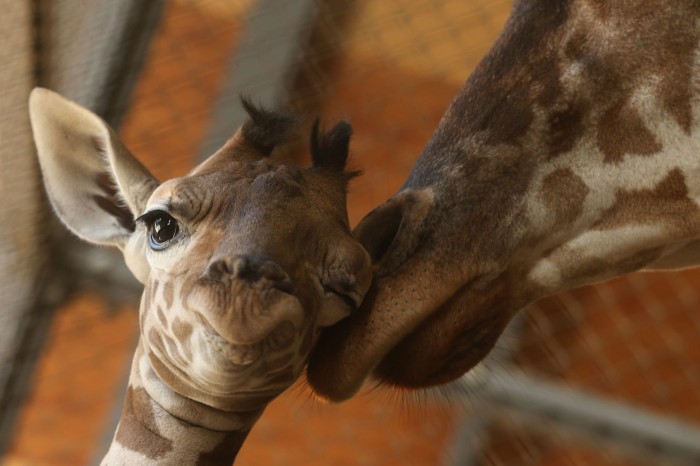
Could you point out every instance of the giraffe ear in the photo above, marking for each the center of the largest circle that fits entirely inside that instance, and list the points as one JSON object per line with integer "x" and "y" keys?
{"x": 391, "y": 232}
{"x": 93, "y": 182}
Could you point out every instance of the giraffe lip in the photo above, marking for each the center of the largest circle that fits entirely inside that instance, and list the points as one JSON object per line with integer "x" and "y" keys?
{"x": 241, "y": 315}
{"x": 449, "y": 333}
{"x": 238, "y": 354}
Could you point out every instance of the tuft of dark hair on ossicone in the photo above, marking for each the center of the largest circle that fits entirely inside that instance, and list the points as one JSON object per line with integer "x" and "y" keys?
{"x": 265, "y": 129}
{"x": 329, "y": 149}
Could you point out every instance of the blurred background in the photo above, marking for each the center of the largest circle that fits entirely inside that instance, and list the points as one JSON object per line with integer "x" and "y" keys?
{"x": 603, "y": 375}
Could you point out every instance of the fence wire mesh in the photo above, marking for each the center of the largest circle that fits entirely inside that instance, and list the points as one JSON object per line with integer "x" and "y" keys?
{"x": 391, "y": 68}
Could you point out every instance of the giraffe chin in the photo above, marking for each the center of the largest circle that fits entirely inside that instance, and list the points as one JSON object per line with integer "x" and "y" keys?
{"x": 239, "y": 351}
{"x": 437, "y": 362}
{"x": 237, "y": 356}
{"x": 452, "y": 340}
{"x": 225, "y": 395}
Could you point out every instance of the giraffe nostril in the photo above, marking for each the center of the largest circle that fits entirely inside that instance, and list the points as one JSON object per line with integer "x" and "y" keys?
{"x": 251, "y": 268}
{"x": 240, "y": 266}
{"x": 219, "y": 268}
{"x": 272, "y": 271}
{"x": 247, "y": 268}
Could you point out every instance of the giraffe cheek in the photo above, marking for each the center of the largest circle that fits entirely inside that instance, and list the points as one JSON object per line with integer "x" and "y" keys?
{"x": 135, "y": 257}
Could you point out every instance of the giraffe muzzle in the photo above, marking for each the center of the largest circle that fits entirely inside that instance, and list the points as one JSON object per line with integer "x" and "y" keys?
{"x": 250, "y": 268}
{"x": 245, "y": 298}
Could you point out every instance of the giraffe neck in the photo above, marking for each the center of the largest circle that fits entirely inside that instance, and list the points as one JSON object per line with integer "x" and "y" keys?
{"x": 159, "y": 427}
{"x": 572, "y": 148}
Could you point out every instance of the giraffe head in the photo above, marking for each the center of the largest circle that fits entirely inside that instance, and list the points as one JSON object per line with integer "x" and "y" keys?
{"x": 569, "y": 156}
{"x": 243, "y": 260}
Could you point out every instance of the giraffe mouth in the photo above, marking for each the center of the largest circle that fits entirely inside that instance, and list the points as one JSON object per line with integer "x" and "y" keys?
{"x": 416, "y": 343}
{"x": 229, "y": 387}
{"x": 243, "y": 317}
{"x": 239, "y": 355}
{"x": 442, "y": 349}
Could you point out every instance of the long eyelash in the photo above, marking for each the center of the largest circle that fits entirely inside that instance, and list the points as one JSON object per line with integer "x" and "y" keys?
{"x": 144, "y": 219}
{"x": 148, "y": 217}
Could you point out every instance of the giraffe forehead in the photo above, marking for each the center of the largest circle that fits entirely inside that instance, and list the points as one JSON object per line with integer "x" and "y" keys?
{"x": 260, "y": 183}
{"x": 263, "y": 178}
{"x": 162, "y": 193}
{"x": 235, "y": 170}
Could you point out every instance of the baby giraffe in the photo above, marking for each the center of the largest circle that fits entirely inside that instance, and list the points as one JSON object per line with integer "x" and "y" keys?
{"x": 244, "y": 260}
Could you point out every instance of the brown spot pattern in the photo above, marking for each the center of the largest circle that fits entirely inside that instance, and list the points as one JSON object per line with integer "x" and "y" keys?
{"x": 182, "y": 330}
{"x": 667, "y": 203}
{"x": 661, "y": 43}
{"x": 161, "y": 317}
{"x": 514, "y": 111}
{"x": 168, "y": 294}
{"x": 564, "y": 192}
{"x": 137, "y": 429}
{"x": 145, "y": 302}
{"x": 621, "y": 131}
{"x": 174, "y": 350}
{"x": 156, "y": 340}
{"x": 155, "y": 286}
{"x": 225, "y": 452}
{"x": 497, "y": 100}
{"x": 566, "y": 126}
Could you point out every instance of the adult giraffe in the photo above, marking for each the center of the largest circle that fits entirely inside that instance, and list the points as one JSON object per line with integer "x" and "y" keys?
{"x": 570, "y": 156}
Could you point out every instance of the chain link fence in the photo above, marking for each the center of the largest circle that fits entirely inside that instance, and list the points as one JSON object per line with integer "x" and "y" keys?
{"x": 603, "y": 375}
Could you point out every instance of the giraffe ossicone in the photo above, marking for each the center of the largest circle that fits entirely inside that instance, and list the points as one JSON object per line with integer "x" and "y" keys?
{"x": 243, "y": 260}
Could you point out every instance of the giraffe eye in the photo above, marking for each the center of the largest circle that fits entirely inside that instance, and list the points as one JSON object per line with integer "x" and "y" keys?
{"x": 162, "y": 228}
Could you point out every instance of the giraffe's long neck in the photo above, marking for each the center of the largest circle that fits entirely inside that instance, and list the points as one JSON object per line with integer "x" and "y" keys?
{"x": 159, "y": 427}
{"x": 573, "y": 145}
